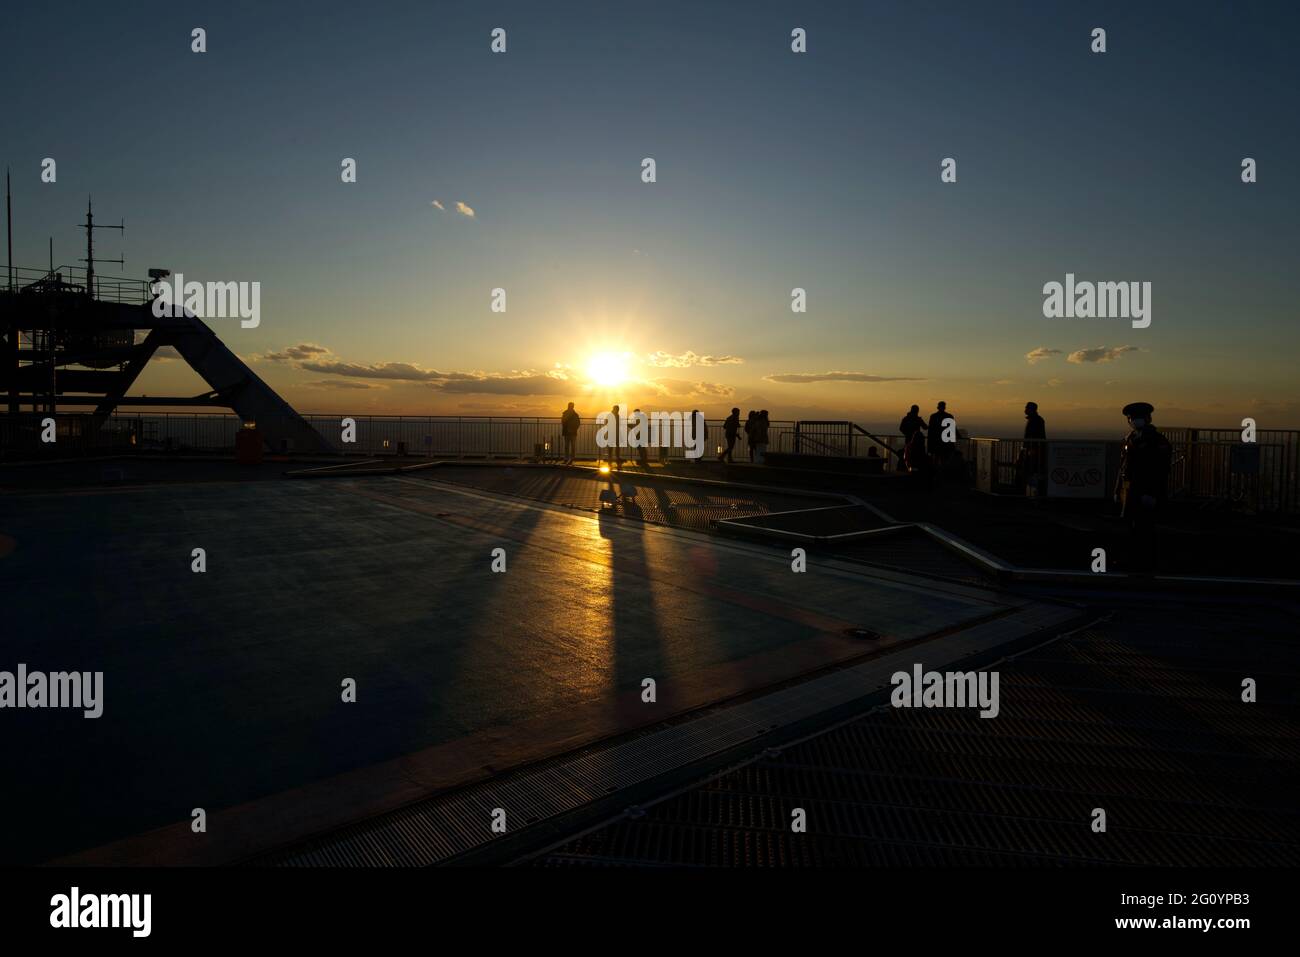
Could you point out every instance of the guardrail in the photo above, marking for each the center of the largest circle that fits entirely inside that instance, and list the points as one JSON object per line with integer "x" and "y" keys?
{"x": 1211, "y": 465}
{"x": 133, "y": 292}
{"x": 1208, "y": 464}
{"x": 432, "y": 436}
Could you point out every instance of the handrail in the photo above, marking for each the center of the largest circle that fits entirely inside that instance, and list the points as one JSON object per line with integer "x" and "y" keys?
{"x": 877, "y": 440}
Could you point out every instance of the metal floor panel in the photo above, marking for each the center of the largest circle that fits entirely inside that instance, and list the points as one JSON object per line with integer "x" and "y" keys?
{"x": 443, "y": 827}
{"x": 1187, "y": 773}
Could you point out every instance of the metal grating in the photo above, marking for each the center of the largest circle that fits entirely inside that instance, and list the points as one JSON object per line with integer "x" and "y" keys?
{"x": 1189, "y": 776}
{"x": 443, "y": 827}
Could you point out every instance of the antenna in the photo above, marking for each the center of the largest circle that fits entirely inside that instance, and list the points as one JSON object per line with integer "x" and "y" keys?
{"x": 90, "y": 247}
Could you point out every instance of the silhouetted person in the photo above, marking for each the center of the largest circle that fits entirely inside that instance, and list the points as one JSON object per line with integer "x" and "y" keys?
{"x": 730, "y": 429}
{"x": 760, "y": 436}
{"x": 569, "y": 424}
{"x": 911, "y": 423}
{"x": 938, "y": 448}
{"x": 914, "y": 454}
{"x": 696, "y": 421}
{"x": 643, "y": 450}
{"x": 615, "y": 451}
{"x": 750, "y": 425}
{"x": 1033, "y": 453}
{"x": 1143, "y": 478}
{"x": 912, "y": 428}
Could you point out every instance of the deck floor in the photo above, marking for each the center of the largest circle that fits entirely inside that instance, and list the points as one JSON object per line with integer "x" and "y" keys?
{"x": 222, "y": 689}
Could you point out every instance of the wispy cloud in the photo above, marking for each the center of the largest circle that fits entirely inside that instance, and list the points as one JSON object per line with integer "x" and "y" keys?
{"x": 341, "y": 384}
{"x": 437, "y": 205}
{"x": 683, "y": 387}
{"x": 1035, "y": 356}
{"x": 403, "y": 371}
{"x": 464, "y": 210}
{"x": 664, "y": 360}
{"x": 1100, "y": 354}
{"x": 802, "y": 377}
{"x": 515, "y": 383}
{"x": 298, "y": 353}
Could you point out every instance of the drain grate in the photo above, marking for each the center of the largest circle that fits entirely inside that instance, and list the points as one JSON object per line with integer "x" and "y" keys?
{"x": 863, "y": 634}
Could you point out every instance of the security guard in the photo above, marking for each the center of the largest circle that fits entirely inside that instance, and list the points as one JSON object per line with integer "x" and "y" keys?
{"x": 1143, "y": 475}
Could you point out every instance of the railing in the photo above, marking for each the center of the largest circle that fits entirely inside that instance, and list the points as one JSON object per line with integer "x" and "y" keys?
{"x": 842, "y": 439}
{"x": 372, "y": 435}
{"x": 1210, "y": 465}
{"x": 1207, "y": 464}
{"x": 73, "y": 279}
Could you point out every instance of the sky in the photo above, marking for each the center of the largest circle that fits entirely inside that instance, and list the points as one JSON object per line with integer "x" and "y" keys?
{"x": 774, "y": 170}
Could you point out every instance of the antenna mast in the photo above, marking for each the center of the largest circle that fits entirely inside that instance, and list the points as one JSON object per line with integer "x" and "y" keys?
{"x": 90, "y": 247}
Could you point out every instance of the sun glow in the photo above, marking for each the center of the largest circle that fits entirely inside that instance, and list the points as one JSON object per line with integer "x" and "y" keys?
{"x": 607, "y": 369}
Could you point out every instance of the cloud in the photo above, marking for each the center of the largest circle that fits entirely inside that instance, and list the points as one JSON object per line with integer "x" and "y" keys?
{"x": 1004, "y": 382}
{"x": 1271, "y": 405}
{"x": 1100, "y": 354}
{"x": 526, "y": 383}
{"x": 1041, "y": 353}
{"x": 165, "y": 354}
{"x": 554, "y": 381}
{"x": 663, "y": 360}
{"x": 802, "y": 377}
{"x": 464, "y": 210}
{"x": 341, "y": 384}
{"x": 380, "y": 370}
{"x": 438, "y": 205}
{"x": 1055, "y": 382}
{"x": 298, "y": 353}
{"x": 682, "y": 387}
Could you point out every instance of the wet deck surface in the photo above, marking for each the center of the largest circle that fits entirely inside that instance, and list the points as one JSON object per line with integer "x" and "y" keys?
{"x": 656, "y": 498}
{"x": 222, "y": 689}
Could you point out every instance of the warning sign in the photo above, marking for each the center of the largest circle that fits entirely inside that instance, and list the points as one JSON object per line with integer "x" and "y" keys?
{"x": 1076, "y": 469}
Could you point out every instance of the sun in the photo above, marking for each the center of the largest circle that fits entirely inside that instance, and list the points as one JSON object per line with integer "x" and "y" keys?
{"x": 607, "y": 369}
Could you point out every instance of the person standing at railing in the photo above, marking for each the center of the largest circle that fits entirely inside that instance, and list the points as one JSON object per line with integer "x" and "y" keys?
{"x": 760, "y": 436}
{"x": 939, "y": 449}
{"x": 912, "y": 428}
{"x": 911, "y": 424}
{"x": 570, "y": 422}
{"x": 642, "y": 450}
{"x": 730, "y": 429}
{"x": 1143, "y": 479}
{"x": 615, "y": 450}
{"x": 751, "y": 423}
{"x": 1033, "y": 452}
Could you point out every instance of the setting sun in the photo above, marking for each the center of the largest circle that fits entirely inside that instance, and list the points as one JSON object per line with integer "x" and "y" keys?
{"x": 607, "y": 368}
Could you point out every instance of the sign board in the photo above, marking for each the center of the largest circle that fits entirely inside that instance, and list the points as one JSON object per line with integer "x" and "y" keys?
{"x": 984, "y": 465}
{"x": 1244, "y": 458}
{"x": 1076, "y": 469}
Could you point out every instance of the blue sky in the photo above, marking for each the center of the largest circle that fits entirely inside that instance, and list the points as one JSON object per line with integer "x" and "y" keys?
{"x": 775, "y": 170}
